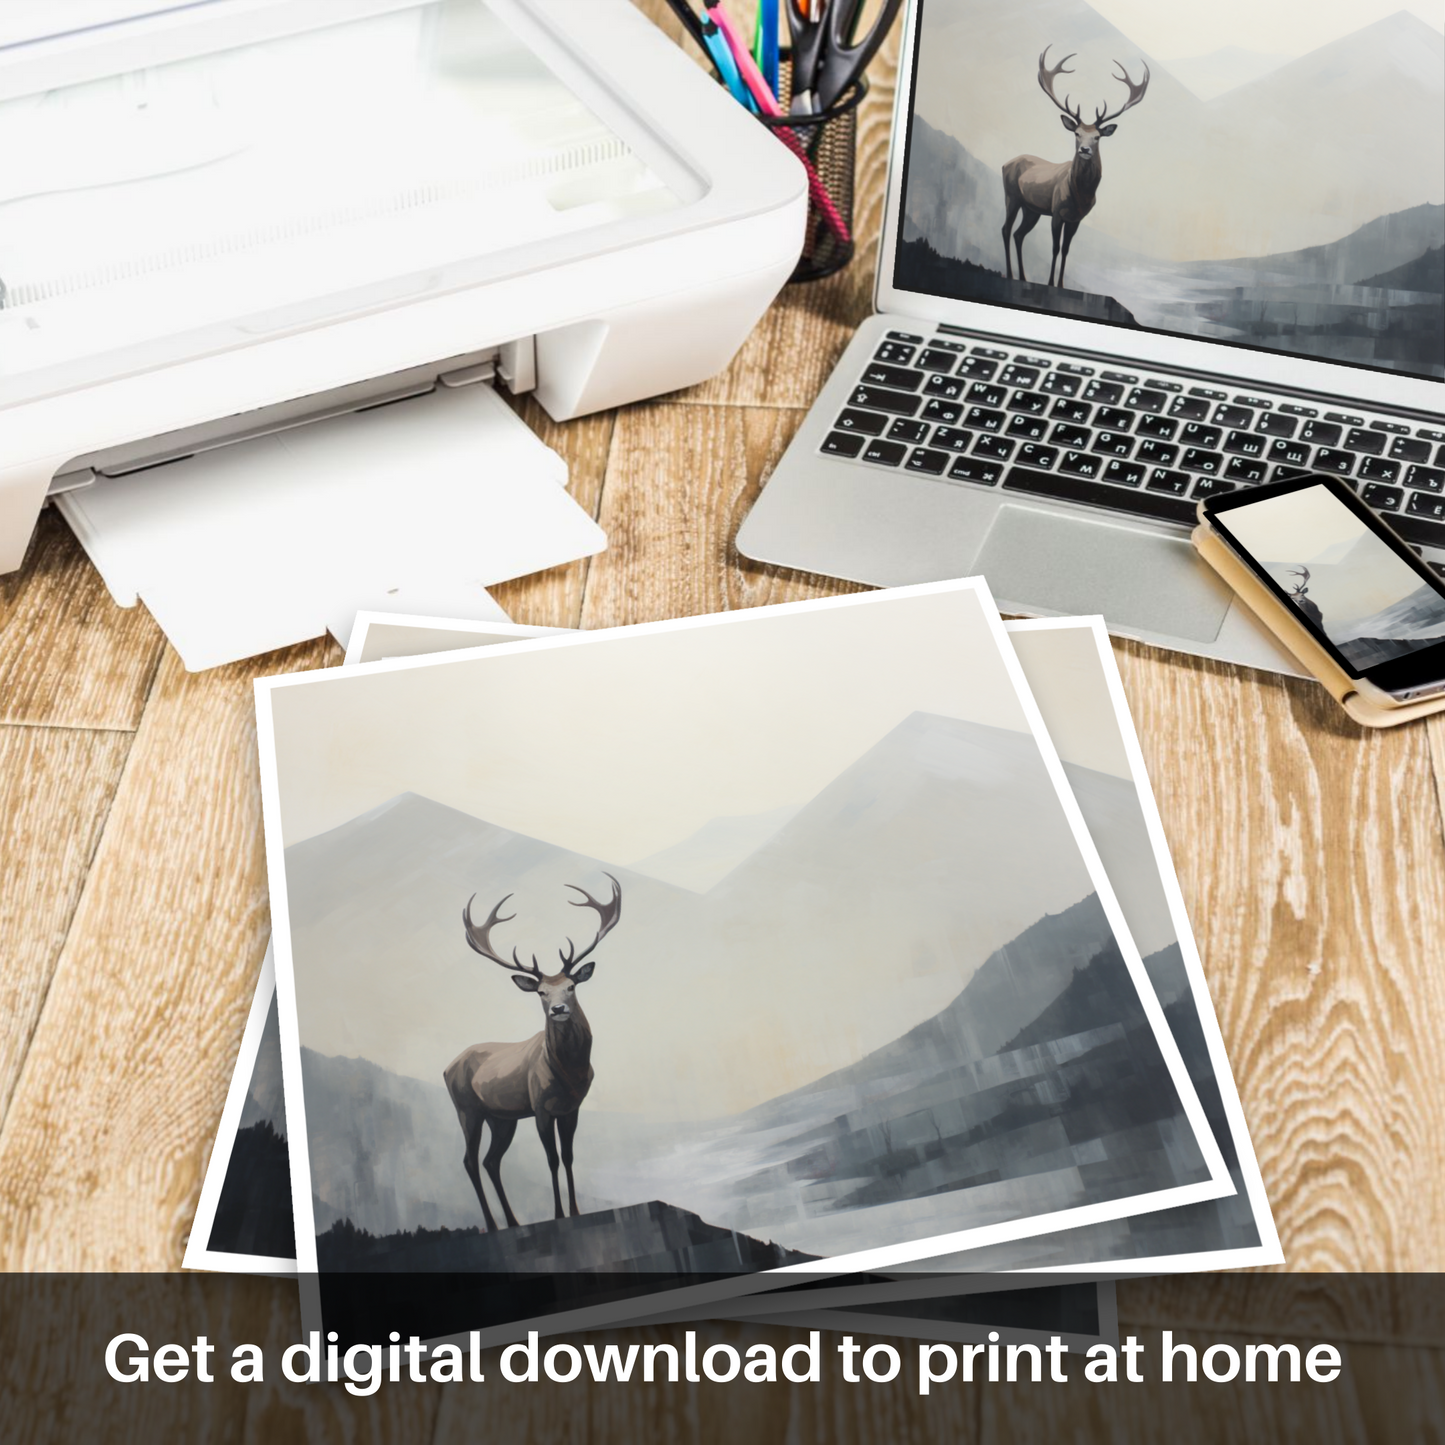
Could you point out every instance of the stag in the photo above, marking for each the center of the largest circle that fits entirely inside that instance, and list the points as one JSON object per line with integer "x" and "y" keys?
{"x": 1066, "y": 190}
{"x": 1298, "y": 594}
{"x": 545, "y": 1077}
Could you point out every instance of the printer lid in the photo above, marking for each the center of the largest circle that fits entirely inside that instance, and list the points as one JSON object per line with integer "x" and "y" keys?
{"x": 182, "y": 178}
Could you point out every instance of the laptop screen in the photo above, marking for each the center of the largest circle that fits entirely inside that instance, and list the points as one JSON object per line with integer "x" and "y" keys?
{"x": 1250, "y": 172}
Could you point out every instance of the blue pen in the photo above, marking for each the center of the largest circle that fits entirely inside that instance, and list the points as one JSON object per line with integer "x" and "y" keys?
{"x": 768, "y": 28}
{"x": 727, "y": 67}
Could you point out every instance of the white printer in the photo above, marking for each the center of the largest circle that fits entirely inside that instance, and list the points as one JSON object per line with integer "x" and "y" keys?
{"x": 220, "y": 220}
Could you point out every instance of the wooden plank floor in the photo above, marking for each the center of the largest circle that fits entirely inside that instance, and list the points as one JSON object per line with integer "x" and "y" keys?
{"x": 133, "y": 912}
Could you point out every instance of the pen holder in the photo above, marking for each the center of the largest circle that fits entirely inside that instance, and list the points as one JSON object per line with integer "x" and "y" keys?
{"x": 826, "y": 142}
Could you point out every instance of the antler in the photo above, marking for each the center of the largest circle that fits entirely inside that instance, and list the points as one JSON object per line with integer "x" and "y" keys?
{"x": 1303, "y": 573}
{"x": 608, "y": 913}
{"x": 481, "y": 938}
{"x": 1136, "y": 93}
{"x": 1046, "y": 80}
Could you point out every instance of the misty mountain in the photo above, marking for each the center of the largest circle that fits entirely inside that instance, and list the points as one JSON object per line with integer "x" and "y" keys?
{"x": 865, "y": 913}
{"x": 1380, "y": 245}
{"x": 1074, "y": 1105}
{"x": 1221, "y": 71}
{"x": 1253, "y": 171}
{"x": 265, "y": 1098}
{"x": 1424, "y": 273}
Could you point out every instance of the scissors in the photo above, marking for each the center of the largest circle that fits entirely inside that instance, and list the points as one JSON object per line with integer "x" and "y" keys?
{"x": 827, "y": 55}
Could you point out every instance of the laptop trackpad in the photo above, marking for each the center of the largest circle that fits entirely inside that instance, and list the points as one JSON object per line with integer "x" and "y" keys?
{"x": 1071, "y": 564}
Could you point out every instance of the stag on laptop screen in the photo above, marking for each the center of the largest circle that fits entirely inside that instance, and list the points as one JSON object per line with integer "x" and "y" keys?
{"x": 1261, "y": 174}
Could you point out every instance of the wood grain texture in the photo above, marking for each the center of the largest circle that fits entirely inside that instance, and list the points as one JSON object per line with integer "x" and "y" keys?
{"x": 56, "y": 787}
{"x": 1383, "y": 1396}
{"x": 680, "y": 480}
{"x": 828, "y": 1413}
{"x": 1310, "y": 855}
{"x": 110, "y": 1122}
{"x": 69, "y": 657}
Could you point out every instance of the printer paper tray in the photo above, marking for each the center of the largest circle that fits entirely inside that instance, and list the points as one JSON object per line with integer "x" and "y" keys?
{"x": 417, "y": 506}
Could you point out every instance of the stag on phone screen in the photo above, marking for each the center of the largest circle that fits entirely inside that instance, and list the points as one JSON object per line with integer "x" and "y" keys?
{"x": 1378, "y": 609}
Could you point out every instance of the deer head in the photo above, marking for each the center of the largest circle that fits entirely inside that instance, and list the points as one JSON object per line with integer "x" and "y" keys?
{"x": 1087, "y": 134}
{"x": 555, "y": 991}
{"x": 1301, "y": 587}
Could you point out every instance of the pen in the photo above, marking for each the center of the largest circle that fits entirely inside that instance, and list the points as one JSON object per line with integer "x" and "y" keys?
{"x": 724, "y": 57}
{"x": 765, "y": 42}
{"x": 768, "y": 105}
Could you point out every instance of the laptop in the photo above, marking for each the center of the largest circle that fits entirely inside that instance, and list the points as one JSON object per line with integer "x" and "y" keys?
{"x": 1132, "y": 255}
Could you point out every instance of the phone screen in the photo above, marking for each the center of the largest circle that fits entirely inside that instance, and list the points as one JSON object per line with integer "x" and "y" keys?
{"x": 1376, "y": 608}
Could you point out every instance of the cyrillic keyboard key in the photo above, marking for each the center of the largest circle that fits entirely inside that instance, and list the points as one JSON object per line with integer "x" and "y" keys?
{"x": 1124, "y": 474}
{"x": 1035, "y": 403}
{"x": 843, "y": 444}
{"x": 1292, "y": 454}
{"x": 1273, "y": 424}
{"x": 1163, "y": 480}
{"x": 1245, "y": 469}
{"x": 982, "y": 419}
{"x": 1385, "y": 499}
{"x": 948, "y": 387}
{"x": 1426, "y": 504}
{"x": 1081, "y": 464}
{"x": 878, "y": 398}
{"x": 1427, "y": 479}
{"x": 977, "y": 369}
{"x": 1112, "y": 444}
{"x": 1196, "y": 459}
{"x": 935, "y": 409}
{"x": 982, "y": 394}
{"x": 1245, "y": 444}
{"x": 1031, "y": 455}
{"x": 1378, "y": 469}
{"x": 1113, "y": 418}
{"x": 1031, "y": 428}
{"x": 1015, "y": 375}
{"x": 1211, "y": 487}
{"x": 1419, "y": 530}
{"x": 1235, "y": 416}
{"x": 996, "y": 447}
{"x": 1078, "y": 411}
{"x": 1328, "y": 459}
{"x": 1161, "y": 427}
{"x": 1156, "y": 454}
{"x": 953, "y": 438}
{"x": 1107, "y": 392}
{"x": 1070, "y": 436}
{"x": 895, "y": 353}
{"x": 1195, "y": 435}
{"x": 1100, "y": 494}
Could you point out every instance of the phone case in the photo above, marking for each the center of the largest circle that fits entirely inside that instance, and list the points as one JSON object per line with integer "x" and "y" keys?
{"x": 1296, "y": 637}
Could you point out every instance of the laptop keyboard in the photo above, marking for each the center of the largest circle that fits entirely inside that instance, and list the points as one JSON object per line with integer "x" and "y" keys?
{"x": 1145, "y": 445}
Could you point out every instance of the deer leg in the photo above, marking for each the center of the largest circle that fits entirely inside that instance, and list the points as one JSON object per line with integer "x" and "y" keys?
{"x": 502, "y": 1131}
{"x": 567, "y": 1129}
{"x": 1068, "y": 241}
{"x": 1029, "y": 221}
{"x": 545, "y": 1132}
{"x": 1013, "y": 210}
{"x": 472, "y": 1133}
{"x": 1058, "y": 229}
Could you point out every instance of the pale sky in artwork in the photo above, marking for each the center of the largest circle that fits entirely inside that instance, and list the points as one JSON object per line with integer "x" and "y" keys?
{"x": 1182, "y": 29}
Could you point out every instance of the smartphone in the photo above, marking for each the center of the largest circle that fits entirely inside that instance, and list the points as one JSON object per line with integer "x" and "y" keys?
{"x": 1361, "y": 592}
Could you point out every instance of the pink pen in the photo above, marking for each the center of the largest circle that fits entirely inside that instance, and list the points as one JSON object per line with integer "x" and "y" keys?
{"x": 768, "y": 105}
